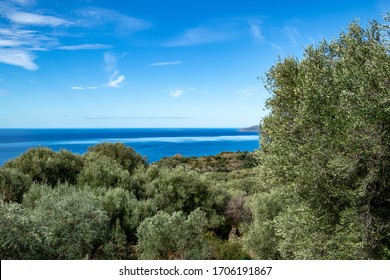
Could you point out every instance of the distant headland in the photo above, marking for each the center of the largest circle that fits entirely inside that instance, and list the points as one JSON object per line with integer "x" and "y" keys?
{"x": 253, "y": 128}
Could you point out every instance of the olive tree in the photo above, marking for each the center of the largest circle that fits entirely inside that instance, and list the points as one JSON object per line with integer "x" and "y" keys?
{"x": 173, "y": 236}
{"x": 326, "y": 147}
{"x": 44, "y": 165}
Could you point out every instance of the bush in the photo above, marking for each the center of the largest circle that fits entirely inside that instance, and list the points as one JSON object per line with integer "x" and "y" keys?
{"x": 121, "y": 206}
{"x": 102, "y": 171}
{"x": 13, "y": 184}
{"x": 46, "y": 166}
{"x": 74, "y": 221}
{"x": 177, "y": 190}
{"x": 173, "y": 236}
{"x": 226, "y": 250}
{"x": 126, "y": 156}
{"x": 21, "y": 235}
{"x": 261, "y": 239}
{"x": 116, "y": 247}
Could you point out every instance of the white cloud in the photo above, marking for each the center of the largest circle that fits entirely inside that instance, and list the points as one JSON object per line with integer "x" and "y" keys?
{"x": 292, "y": 34}
{"x": 255, "y": 30}
{"x": 166, "y": 63}
{"x": 176, "y": 93}
{"x": 19, "y": 58}
{"x": 110, "y": 61}
{"x": 23, "y": 2}
{"x": 217, "y": 31}
{"x": 28, "y": 39}
{"x": 116, "y": 81}
{"x": 202, "y": 35}
{"x": 116, "y": 22}
{"x": 249, "y": 91}
{"x": 82, "y": 88}
{"x": 36, "y": 19}
{"x": 84, "y": 47}
{"x": 25, "y": 32}
{"x": 277, "y": 47}
{"x": 10, "y": 43}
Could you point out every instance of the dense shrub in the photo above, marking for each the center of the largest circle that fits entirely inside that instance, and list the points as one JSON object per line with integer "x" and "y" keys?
{"x": 46, "y": 166}
{"x": 122, "y": 207}
{"x": 177, "y": 190}
{"x": 173, "y": 236}
{"x": 13, "y": 184}
{"x": 124, "y": 155}
{"x": 102, "y": 171}
{"x": 74, "y": 221}
{"x": 21, "y": 236}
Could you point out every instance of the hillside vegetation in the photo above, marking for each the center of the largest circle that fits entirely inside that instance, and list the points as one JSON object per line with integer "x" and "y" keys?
{"x": 317, "y": 189}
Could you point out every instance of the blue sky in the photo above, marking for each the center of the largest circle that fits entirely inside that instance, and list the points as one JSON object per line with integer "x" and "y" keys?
{"x": 143, "y": 63}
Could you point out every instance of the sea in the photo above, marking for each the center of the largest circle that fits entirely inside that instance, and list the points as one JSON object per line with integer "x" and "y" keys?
{"x": 151, "y": 143}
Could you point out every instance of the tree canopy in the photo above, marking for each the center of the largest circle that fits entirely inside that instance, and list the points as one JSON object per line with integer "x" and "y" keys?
{"x": 325, "y": 148}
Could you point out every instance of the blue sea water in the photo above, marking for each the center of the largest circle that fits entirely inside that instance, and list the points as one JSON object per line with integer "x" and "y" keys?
{"x": 151, "y": 143}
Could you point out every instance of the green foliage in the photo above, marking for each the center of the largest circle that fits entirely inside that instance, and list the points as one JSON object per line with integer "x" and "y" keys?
{"x": 173, "y": 236}
{"x": 122, "y": 206}
{"x": 13, "y": 184}
{"x": 116, "y": 247}
{"x": 325, "y": 149}
{"x": 20, "y": 235}
{"x": 261, "y": 239}
{"x": 46, "y": 166}
{"x": 102, "y": 171}
{"x": 177, "y": 189}
{"x": 74, "y": 221}
{"x": 36, "y": 192}
{"x": 226, "y": 250}
{"x": 93, "y": 206}
{"x": 222, "y": 162}
{"x": 124, "y": 155}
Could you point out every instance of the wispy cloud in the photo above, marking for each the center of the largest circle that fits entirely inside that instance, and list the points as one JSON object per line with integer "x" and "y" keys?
{"x": 249, "y": 91}
{"x": 19, "y": 58}
{"x": 180, "y": 91}
{"x": 36, "y": 19}
{"x": 218, "y": 31}
{"x": 22, "y": 2}
{"x": 10, "y": 43}
{"x": 17, "y": 46}
{"x": 84, "y": 47}
{"x": 166, "y": 63}
{"x": 115, "y": 22}
{"x": 83, "y": 88}
{"x": 115, "y": 80}
{"x": 27, "y": 39}
{"x": 176, "y": 93}
{"x": 28, "y": 30}
{"x": 277, "y": 47}
{"x": 200, "y": 36}
{"x": 255, "y": 30}
{"x": 292, "y": 34}
{"x": 110, "y": 61}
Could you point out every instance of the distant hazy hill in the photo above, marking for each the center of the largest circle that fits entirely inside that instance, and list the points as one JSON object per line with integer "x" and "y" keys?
{"x": 253, "y": 128}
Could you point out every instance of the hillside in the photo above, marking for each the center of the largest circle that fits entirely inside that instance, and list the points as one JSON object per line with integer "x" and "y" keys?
{"x": 222, "y": 162}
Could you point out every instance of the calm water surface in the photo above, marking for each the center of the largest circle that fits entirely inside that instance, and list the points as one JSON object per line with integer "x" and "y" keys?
{"x": 152, "y": 143}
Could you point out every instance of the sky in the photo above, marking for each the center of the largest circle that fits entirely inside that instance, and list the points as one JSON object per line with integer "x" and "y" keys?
{"x": 154, "y": 64}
